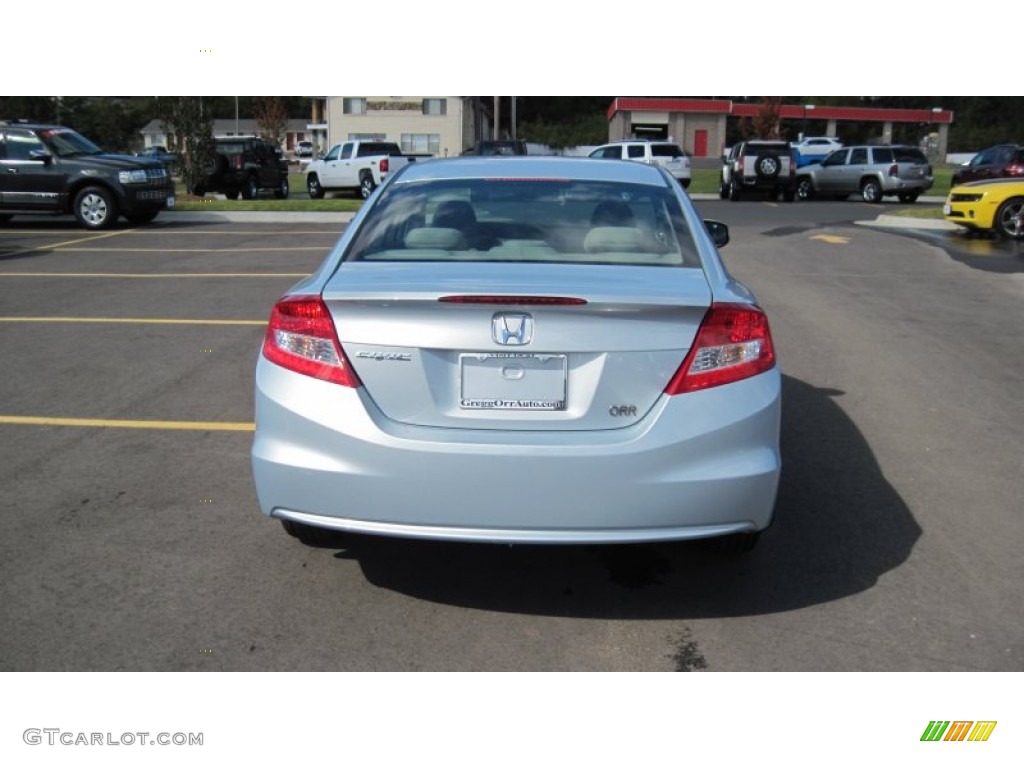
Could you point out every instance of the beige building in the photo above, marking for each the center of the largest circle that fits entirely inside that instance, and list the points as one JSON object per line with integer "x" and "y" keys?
{"x": 435, "y": 125}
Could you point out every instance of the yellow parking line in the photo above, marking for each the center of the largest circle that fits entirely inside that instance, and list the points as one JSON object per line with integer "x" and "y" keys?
{"x": 212, "y": 426}
{"x": 169, "y": 275}
{"x": 48, "y": 247}
{"x": 133, "y": 320}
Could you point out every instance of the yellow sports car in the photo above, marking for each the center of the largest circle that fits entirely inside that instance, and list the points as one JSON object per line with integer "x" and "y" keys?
{"x": 997, "y": 205}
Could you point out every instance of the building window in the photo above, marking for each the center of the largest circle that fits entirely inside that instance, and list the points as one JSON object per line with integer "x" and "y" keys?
{"x": 367, "y": 137}
{"x": 353, "y": 106}
{"x": 421, "y": 143}
{"x": 435, "y": 106}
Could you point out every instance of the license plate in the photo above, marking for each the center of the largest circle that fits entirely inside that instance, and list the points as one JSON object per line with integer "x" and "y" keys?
{"x": 947, "y": 209}
{"x": 170, "y": 201}
{"x": 512, "y": 381}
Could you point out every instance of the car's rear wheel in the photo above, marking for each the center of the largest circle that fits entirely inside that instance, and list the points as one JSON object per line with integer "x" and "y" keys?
{"x": 281, "y": 192}
{"x": 871, "y": 191}
{"x": 366, "y": 185}
{"x": 313, "y": 536}
{"x": 231, "y": 194}
{"x": 250, "y": 190}
{"x": 805, "y": 188}
{"x": 1010, "y": 219}
{"x": 735, "y": 190}
{"x": 908, "y": 197}
{"x": 95, "y": 208}
{"x": 723, "y": 190}
{"x": 789, "y": 194}
{"x": 316, "y": 191}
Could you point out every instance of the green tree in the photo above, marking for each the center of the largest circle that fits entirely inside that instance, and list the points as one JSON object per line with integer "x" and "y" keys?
{"x": 185, "y": 118}
{"x": 272, "y": 118}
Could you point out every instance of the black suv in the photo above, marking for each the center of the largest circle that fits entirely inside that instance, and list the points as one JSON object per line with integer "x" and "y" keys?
{"x": 244, "y": 166}
{"x": 52, "y": 169}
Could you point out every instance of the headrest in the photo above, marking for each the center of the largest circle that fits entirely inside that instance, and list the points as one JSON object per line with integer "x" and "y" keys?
{"x": 442, "y": 238}
{"x": 615, "y": 240}
{"x": 457, "y": 214}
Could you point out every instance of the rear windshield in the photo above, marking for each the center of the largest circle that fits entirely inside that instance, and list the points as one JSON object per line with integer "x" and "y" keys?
{"x": 368, "y": 148}
{"x": 231, "y": 147}
{"x": 529, "y": 220}
{"x": 909, "y": 155}
{"x": 666, "y": 150}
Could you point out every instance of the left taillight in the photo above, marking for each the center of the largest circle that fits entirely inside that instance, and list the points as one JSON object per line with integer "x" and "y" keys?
{"x": 301, "y": 337}
{"x": 733, "y": 343}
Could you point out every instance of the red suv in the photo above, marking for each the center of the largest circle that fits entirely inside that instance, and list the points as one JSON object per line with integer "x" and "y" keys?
{"x": 999, "y": 162}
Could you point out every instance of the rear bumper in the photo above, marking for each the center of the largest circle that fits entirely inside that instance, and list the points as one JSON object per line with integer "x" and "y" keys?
{"x": 702, "y": 464}
{"x": 894, "y": 185}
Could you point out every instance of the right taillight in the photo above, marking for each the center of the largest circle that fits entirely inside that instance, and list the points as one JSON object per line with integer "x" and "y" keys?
{"x": 301, "y": 337}
{"x": 733, "y": 342}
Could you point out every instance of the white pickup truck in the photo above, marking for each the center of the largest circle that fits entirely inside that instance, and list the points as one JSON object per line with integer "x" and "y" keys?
{"x": 354, "y": 166}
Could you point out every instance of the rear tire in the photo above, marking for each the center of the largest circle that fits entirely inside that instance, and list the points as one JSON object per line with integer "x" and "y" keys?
{"x": 805, "y": 188}
{"x": 366, "y": 185}
{"x": 251, "y": 190}
{"x": 316, "y": 191}
{"x": 281, "y": 193}
{"x": 1010, "y": 219}
{"x": 735, "y": 190}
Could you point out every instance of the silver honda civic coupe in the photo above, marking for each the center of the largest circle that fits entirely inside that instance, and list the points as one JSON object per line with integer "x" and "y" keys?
{"x": 532, "y": 349}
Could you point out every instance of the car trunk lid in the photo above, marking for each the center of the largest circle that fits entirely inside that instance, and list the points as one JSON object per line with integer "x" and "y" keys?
{"x": 528, "y": 347}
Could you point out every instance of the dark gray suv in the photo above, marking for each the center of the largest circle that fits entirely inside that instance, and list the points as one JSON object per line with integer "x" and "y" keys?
{"x": 872, "y": 171}
{"x": 244, "y": 166}
{"x": 53, "y": 169}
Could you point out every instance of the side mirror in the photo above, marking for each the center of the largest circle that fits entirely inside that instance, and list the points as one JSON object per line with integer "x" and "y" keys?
{"x": 719, "y": 232}
{"x": 41, "y": 155}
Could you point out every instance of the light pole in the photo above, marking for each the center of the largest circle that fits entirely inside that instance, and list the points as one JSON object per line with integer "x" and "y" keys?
{"x": 804, "y": 127}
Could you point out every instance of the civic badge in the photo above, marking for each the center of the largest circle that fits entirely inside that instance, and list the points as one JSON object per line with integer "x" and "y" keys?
{"x": 512, "y": 329}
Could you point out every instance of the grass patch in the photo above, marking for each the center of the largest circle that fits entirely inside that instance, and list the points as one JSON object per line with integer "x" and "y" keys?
{"x": 298, "y": 200}
{"x": 924, "y": 211}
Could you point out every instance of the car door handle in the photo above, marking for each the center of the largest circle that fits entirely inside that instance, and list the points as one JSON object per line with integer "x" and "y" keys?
{"x": 12, "y": 170}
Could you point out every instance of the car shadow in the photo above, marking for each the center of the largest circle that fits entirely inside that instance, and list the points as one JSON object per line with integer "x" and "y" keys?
{"x": 839, "y": 526}
{"x": 979, "y": 250}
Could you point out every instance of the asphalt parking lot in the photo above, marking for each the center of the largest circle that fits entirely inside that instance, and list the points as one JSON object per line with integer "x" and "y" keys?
{"x": 130, "y": 537}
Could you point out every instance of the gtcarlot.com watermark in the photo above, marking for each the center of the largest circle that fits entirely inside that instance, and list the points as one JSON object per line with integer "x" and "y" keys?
{"x": 56, "y": 737}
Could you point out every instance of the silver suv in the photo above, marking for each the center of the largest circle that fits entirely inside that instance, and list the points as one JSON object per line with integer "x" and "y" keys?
{"x": 871, "y": 171}
{"x": 666, "y": 154}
